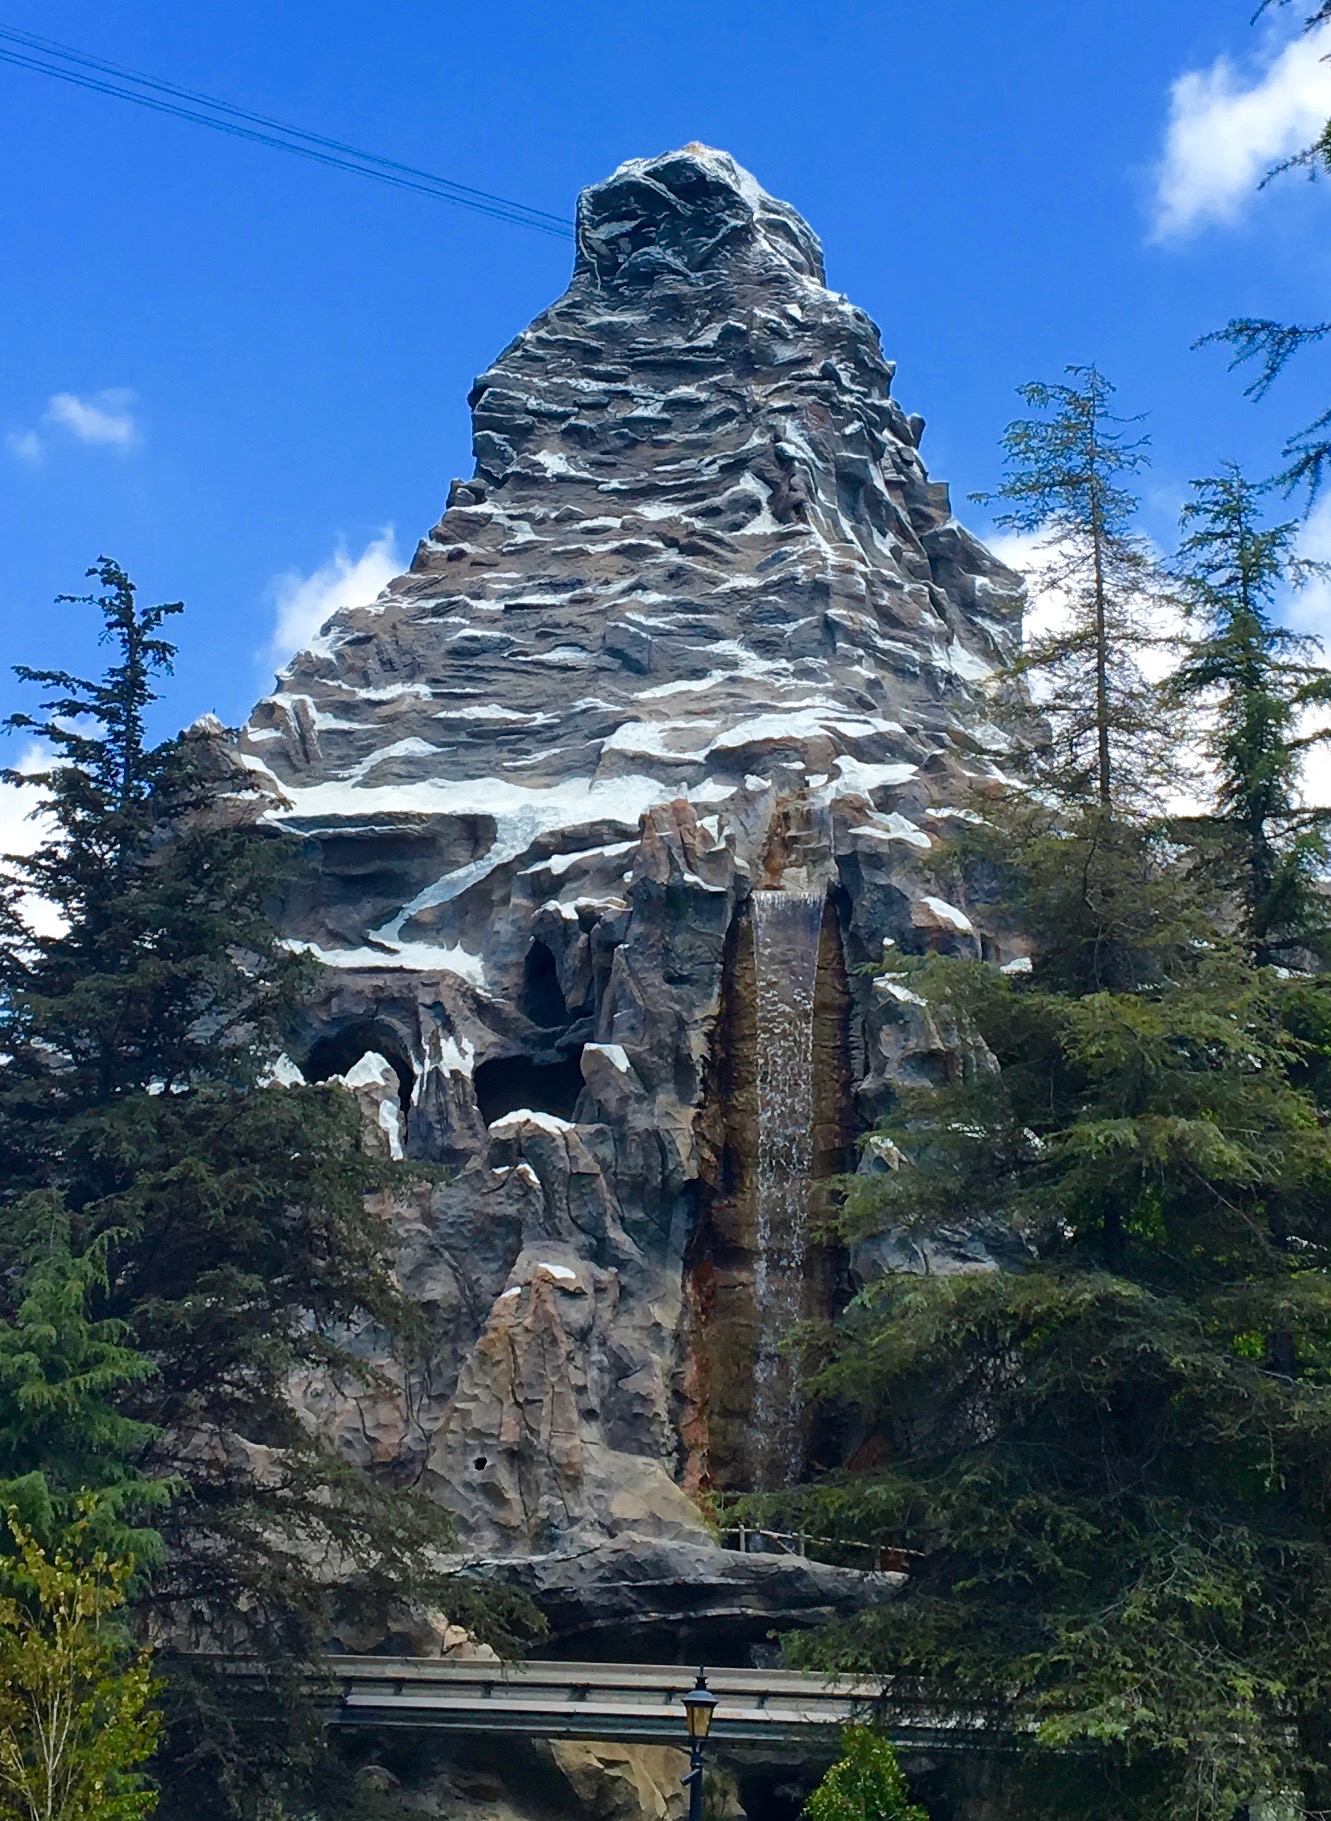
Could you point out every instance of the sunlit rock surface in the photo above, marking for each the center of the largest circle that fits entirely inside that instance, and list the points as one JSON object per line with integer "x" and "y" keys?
{"x": 699, "y": 624}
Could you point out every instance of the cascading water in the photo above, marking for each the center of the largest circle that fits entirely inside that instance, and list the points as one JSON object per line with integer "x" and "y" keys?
{"x": 786, "y": 927}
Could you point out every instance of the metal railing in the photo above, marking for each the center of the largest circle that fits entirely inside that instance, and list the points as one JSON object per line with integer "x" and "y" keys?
{"x": 752, "y": 1539}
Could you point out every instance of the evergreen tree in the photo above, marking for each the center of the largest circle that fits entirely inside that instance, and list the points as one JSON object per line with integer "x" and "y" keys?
{"x": 1067, "y": 480}
{"x": 1258, "y": 679}
{"x": 1115, "y": 1462}
{"x": 242, "y": 1224}
{"x": 69, "y": 1459}
{"x": 1114, "y": 1458}
{"x": 1072, "y": 844}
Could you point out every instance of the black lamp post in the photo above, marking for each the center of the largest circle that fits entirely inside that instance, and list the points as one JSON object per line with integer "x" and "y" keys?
{"x": 699, "y": 1703}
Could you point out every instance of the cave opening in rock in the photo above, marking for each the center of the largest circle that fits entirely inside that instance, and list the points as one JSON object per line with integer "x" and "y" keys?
{"x": 508, "y": 1084}
{"x": 339, "y": 1051}
{"x": 542, "y": 997}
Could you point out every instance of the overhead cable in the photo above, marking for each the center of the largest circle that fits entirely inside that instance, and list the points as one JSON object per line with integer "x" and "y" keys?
{"x": 43, "y": 57}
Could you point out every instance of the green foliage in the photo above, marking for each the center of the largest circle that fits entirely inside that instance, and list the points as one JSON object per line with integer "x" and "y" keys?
{"x": 76, "y": 1701}
{"x": 66, "y": 1449}
{"x": 1113, "y": 1455}
{"x": 1258, "y": 679}
{"x": 865, "y": 1784}
{"x": 239, "y": 1228}
{"x": 1116, "y": 1459}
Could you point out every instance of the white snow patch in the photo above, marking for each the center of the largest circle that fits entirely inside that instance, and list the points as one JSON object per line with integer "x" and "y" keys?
{"x": 710, "y": 792}
{"x": 895, "y": 828}
{"x": 964, "y": 664}
{"x": 413, "y": 748}
{"x": 372, "y": 1071}
{"x": 651, "y": 739}
{"x": 1021, "y": 965}
{"x": 894, "y": 990}
{"x": 561, "y": 1273}
{"x": 659, "y": 509}
{"x": 392, "y": 693}
{"x": 762, "y": 523}
{"x": 558, "y": 864}
{"x": 421, "y": 957}
{"x": 800, "y": 723}
{"x": 614, "y": 1053}
{"x": 544, "y": 1122}
{"x": 857, "y": 775}
{"x": 948, "y": 913}
{"x": 490, "y": 711}
{"x": 454, "y": 1055}
{"x": 390, "y": 1121}
{"x": 554, "y": 461}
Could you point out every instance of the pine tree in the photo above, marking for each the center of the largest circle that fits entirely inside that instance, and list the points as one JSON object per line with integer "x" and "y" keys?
{"x": 1067, "y": 479}
{"x": 1258, "y": 679}
{"x": 241, "y": 1222}
{"x": 1117, "y": 1480}
{"x": 1114, "y": 1457}
{"x": 1072, "y": 844}
{"x": 69, "y": 1459}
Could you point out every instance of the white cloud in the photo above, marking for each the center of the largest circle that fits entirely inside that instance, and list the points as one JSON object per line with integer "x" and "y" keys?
{"x": 1225, "y": 133}
{"x": 1310, "y": 609}
{"x": 103, "y": 418}
{"x": 1030, "y": 554}
{"x": 21, "y": 831}
{"x": 304, "y": 602}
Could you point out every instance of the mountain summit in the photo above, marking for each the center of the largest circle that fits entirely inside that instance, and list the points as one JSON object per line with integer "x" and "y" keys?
{"x": 699, "y": 548}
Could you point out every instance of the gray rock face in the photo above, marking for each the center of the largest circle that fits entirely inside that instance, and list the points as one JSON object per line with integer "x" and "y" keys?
{"x": 699, "y": 623}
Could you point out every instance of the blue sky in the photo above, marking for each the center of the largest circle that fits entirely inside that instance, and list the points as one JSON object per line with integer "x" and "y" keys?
{"x": 225, "y": 366}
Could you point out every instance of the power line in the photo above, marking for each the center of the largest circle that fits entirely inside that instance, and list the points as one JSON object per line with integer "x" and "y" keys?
{"x": 24, "y": 51}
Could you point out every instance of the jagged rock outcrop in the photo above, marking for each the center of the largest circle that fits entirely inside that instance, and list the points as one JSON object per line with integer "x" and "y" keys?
{"x": 699, "y": 624}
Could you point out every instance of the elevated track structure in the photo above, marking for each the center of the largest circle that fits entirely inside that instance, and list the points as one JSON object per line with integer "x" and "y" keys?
{"x": 634, "y": 1703}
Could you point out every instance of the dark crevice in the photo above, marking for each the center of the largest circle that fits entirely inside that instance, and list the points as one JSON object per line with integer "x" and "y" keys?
{"x": 542, "y": 997}
{"x": 341, "y": 1050}
{"x": 510, "y": 1083}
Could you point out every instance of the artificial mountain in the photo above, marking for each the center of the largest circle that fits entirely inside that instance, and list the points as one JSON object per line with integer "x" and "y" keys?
{"x": 605, "y": 804}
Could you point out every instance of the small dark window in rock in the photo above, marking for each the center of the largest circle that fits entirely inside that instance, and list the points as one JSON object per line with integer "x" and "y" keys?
{"x": 341, "y": 1050}
{"x": 542, "y": 999}
{"x": 511, "y": 1083}
{"x": 480, "y": 1462}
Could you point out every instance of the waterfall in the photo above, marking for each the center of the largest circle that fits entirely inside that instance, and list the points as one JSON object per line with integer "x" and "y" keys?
{"x": 786, "y": 927}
